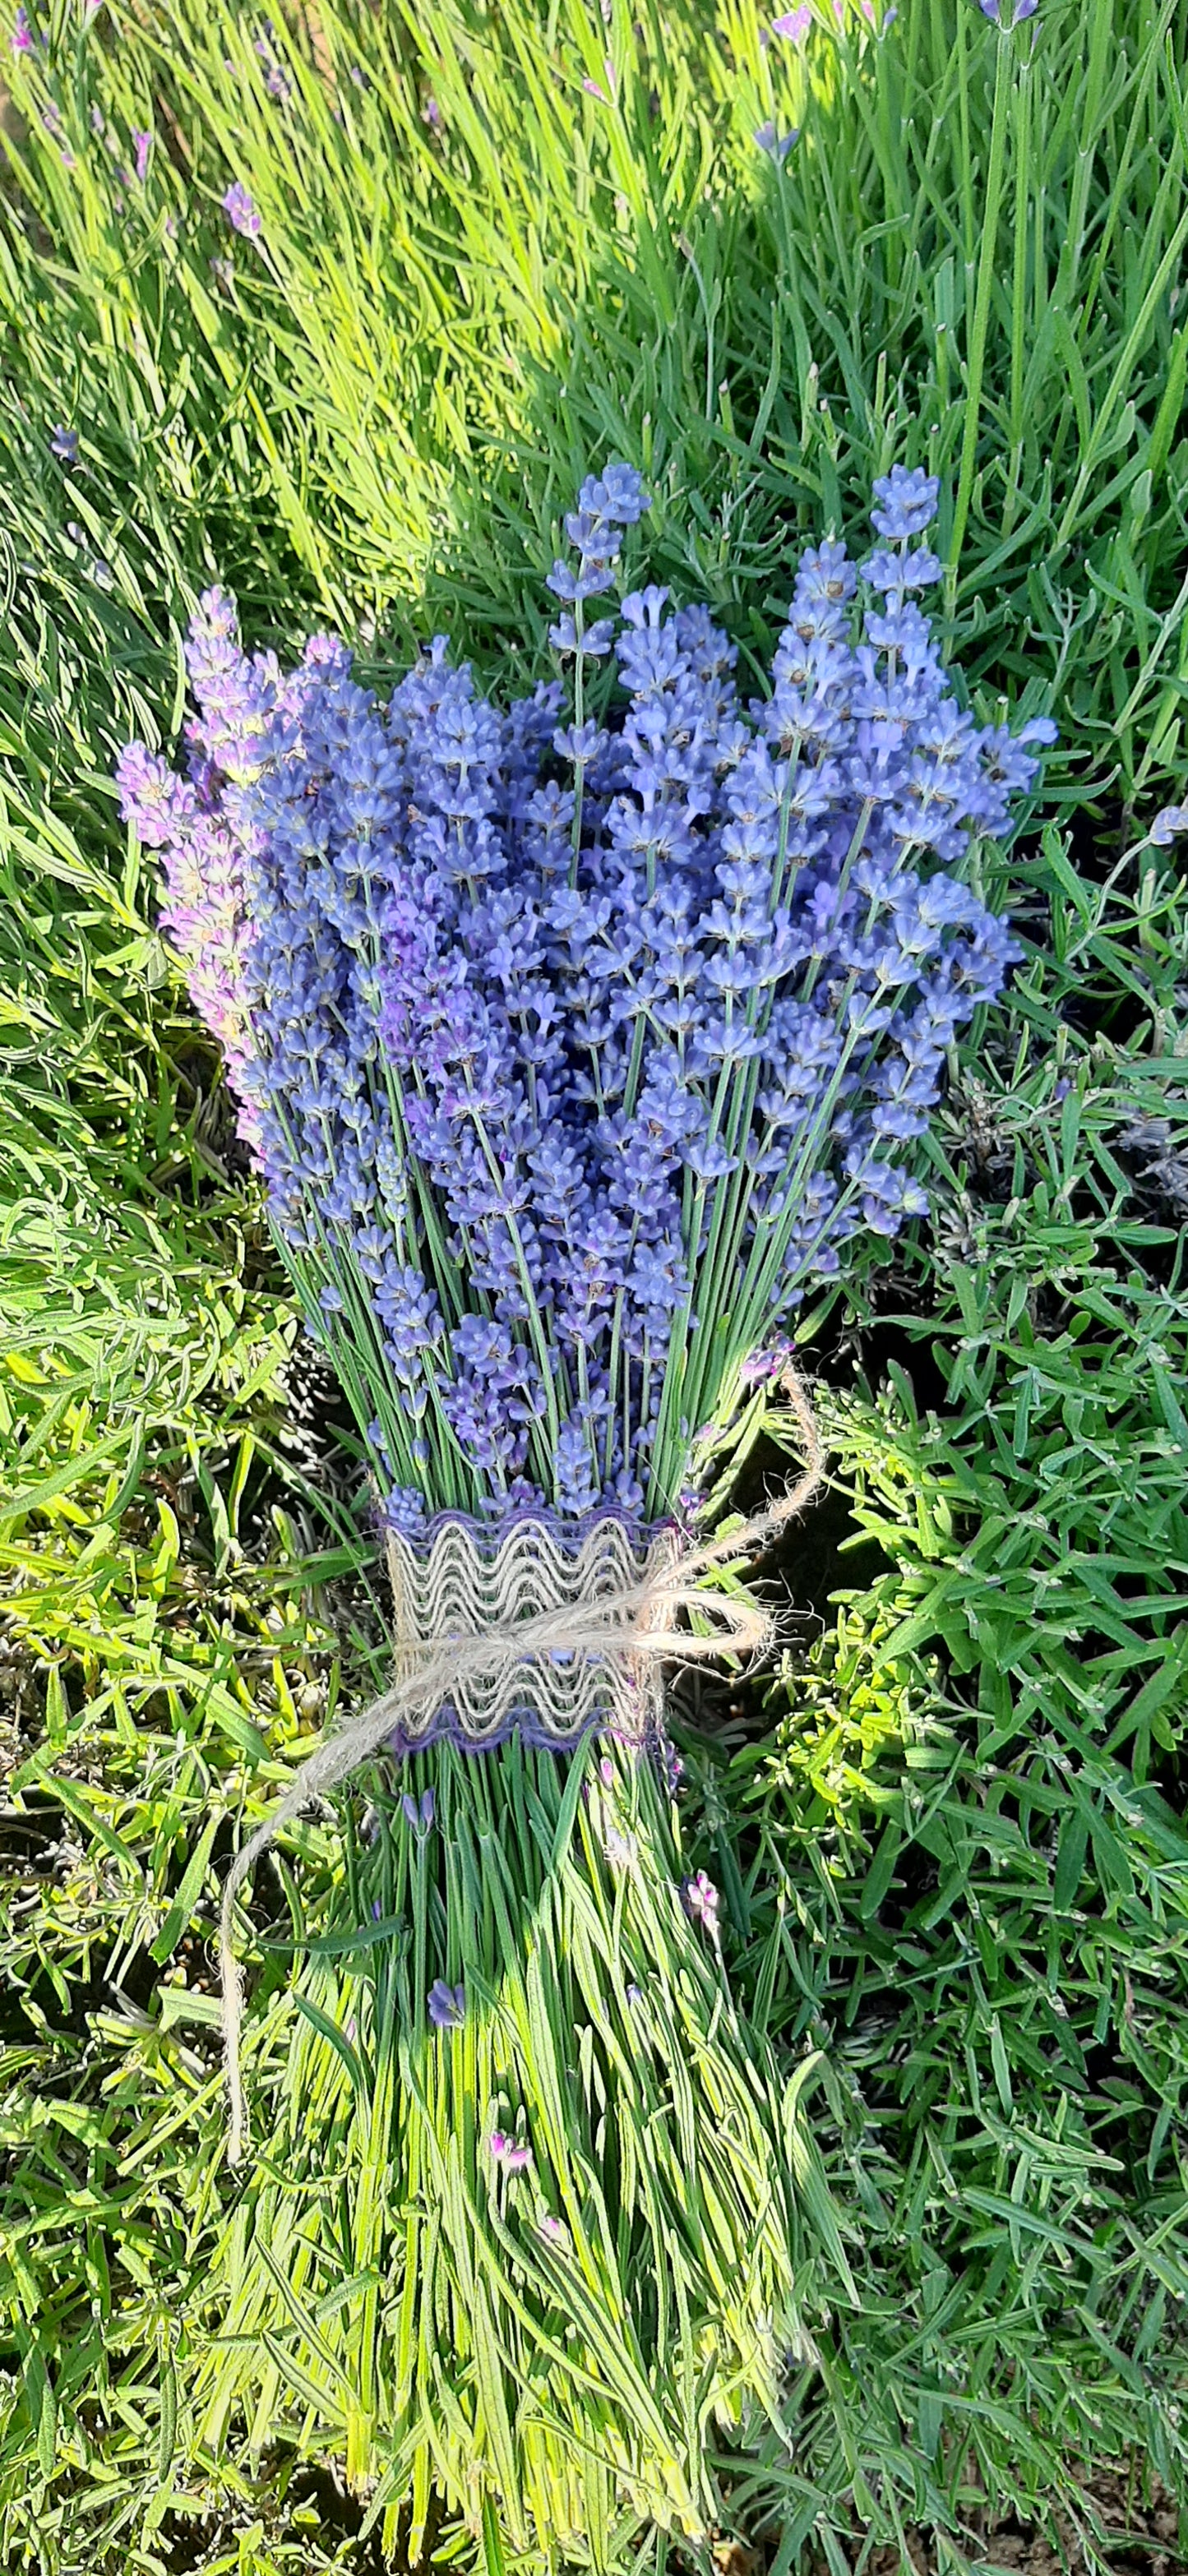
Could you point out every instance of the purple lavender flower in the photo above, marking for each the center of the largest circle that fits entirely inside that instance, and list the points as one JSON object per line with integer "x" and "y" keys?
{"x": 241, "y": 211}
{"x": 905, "y": 503}
{"x": 276, "y": 79}
{"x": 24, "y": 38}
{"x": 777, "y": 146}
{"x": 992, "y": 9}
{"x": 142, "y": 144}
{"x": 431, "y": 115}
{"x": 64, "y": 444}
{"x": 418, "y": 1812}
{"x": 794, "y": 24}
{"x": 545, "y": 1071}
{"x": 447, "y": 2006}
{"x": 672, "y": 1769}
{"x": 1168, "y": 825}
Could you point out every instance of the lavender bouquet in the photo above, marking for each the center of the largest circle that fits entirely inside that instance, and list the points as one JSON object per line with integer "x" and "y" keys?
{"x": 573, "y": 1043}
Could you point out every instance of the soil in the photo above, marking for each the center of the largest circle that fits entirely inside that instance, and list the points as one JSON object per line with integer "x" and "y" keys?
{"x": 1143, "y": 2538}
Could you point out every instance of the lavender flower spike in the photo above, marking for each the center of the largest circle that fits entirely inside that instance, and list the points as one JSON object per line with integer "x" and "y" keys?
{"x": 905, "y": 503}
{"x": 64, "y": 444}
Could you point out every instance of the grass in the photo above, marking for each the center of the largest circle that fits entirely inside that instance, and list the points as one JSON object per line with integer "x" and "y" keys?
{"x": 966, "y": 1866}
{"x": 957, "y": 1865}
{"x": 440, "y": 324}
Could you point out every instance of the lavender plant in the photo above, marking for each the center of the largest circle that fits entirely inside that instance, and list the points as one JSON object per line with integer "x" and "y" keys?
{"x": 575, "y": 1041}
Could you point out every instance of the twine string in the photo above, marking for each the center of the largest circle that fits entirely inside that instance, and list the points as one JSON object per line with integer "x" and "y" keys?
{"x": 632, "y": 1625}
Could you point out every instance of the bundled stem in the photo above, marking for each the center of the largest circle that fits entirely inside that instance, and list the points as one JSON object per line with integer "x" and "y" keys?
{"x": 635, "y": 1626}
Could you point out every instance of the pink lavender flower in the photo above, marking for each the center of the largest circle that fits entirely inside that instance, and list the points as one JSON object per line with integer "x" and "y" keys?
{"x": 701, "y": 1902}
{"x": 64, "y": 444}
{"x": 446, "y": 2006}
{"x": 552, "y": 2230}
{"x": 241, "y": 211}
{"x": 209, "y": 867}
{"x": 507, "y": 2152}
{"x": 23, "y": 38}
{"x": 794, "y": 24}
{"x": 143, "y": 144}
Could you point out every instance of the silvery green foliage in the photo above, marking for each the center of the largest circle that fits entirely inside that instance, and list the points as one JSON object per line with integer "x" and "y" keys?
{"x": 574, "y": 1046}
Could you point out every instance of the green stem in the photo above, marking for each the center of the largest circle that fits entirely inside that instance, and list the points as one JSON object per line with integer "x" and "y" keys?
{"x": 981, "y": 318}
{"x": 579, "y": 767}
{"x": 1019, "y": 281}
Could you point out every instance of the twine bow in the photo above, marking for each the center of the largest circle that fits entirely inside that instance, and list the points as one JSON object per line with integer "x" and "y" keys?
{"x": 629, "y": 1627}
